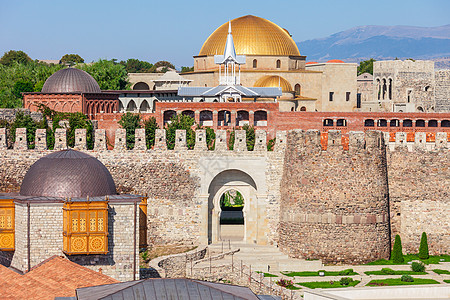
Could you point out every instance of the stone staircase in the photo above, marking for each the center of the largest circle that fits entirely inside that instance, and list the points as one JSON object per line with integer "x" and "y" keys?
{"x": 259, "y": 257}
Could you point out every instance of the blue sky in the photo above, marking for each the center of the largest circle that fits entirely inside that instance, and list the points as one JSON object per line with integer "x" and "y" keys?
{"x": 175, "y": 30}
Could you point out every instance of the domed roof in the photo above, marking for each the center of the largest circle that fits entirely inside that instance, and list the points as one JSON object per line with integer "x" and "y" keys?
{"x": 71, "y": 80}
{"x": 252, "y": 36}
{"x": 274, "y": 81}
{"x": 68, "y": 173}
{"x": 336, "y": 61}
{"x": 311, "y": 62}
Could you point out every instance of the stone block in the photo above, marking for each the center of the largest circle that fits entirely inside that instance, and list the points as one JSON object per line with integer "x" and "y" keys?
{"x": 400, "y": 139}
{"x": 260, "y": 140}
{"x": 221, "y": 141}
{"x": 312, "y": 141}
{"x": 334, "y": 140}
{"x": 21, "y": 139}
{"x": 420, "y": 141}
{"x": 240, "y": 141}
{"x": 60, "y": 139}
{"x": 356, "y": 141}
{"x": 374, "y": 139}
{"x": 120, "y": 142}
{"x": 80, "y": 139}
{"x": 280, "y": 141}
{"x": 180, "y": 139}
{"x": 100, "y": 140}
{"x": 200, "y": 140}
{"x": 40, "y": 139}
{"x": 139, "y": 139}
{"x": 3, "y": 139}
{"x": 441, "y": 140}
{"x": 160, "y": 139}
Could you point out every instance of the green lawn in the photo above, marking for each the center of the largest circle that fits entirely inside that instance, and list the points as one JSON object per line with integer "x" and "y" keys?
{"x": 395, "y": 273}
{"x": 440, "y": 271}
{"x": 315, "y": 273}
{"x": 447, "y": 280}
{"x": 397, "y": 281}
{"x": 326, "y": 284}
{"x": 267, "y": 274}
{"x": 410, "y": 257}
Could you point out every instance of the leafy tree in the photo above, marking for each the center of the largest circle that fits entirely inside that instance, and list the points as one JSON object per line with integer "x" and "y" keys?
{"x": 108, "y": 74}
{"x": 163, "y": 63}
{"x": 180, "y": 122}
{"x": 72, "y": 59}
{"x": 133, "y": 65}
{"x": 13, "y": 56}
{"x": 397, "y": 253}
{"x": 271, "y": 144}
{"x": 366, "y": 66}
{"x": 231, "y": 140}
{"x": 130, "y": 122}
{"x": 22, "y": 86}
{"x": 423, "y": 248}
{"x": 210, "y": 138}
{"x": 187, "y": 69}
{"x": 249, "y": 136}
{"x": 150, "y": 126}
{"x": 79, "y": 120}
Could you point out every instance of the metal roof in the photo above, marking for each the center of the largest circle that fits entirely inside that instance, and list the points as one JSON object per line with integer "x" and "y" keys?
{"x": 222, "y": 89}
{"x": 71, "y": 80}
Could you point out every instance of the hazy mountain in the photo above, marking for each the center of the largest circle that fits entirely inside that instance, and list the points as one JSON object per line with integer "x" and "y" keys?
{"x": 381, "y": 42}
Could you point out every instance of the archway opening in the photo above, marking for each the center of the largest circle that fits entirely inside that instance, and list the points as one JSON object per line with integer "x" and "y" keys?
{"x": 232, "y": 216}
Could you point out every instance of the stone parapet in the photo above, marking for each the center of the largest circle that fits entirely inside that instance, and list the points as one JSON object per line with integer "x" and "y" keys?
{"x": 139, "y": 139}
{"x": 100, "y": 140}
{"x": 80, "y": 139}
{"x": 120, "y": 142}
{"x": 60, "y": 139}
{"x": 160, "y": 140}
{"x": 3, "y": 139}
{"x": 200, "y": 140}
{"x": 240, "y": 141}
{"x": 21, "y": 139}
{"x": 40, "y": 140}
{"x": 180, "y": 140}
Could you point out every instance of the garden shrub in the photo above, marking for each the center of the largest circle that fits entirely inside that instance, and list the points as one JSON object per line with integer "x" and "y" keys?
{"x": 388, "y": 271}
{"x": 407, "y": 278}
{"x": 417, "y": 266}
{"x": 423, "y": 248}
{"x": 397, "y": 254}
{"x": 345, "y": 281}
{"x": 345, "y": 272}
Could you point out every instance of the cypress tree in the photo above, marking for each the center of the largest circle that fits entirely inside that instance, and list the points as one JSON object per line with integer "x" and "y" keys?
{"x": 397, "y": 255}
{"x": 423, "y": 248}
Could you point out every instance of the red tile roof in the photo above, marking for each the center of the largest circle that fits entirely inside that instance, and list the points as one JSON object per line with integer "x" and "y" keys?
{"x": 54, "y": 277}
{"x": 335, "y": 61}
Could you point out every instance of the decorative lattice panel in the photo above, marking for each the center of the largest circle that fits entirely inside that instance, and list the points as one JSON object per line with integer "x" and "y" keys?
{"x": 85, "y": 227}
{"x": 7, "y": 225}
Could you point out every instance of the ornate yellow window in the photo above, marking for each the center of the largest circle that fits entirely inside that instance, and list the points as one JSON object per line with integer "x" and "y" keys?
{"x": 85, "y": 227}
{"x": 6, "y": 224}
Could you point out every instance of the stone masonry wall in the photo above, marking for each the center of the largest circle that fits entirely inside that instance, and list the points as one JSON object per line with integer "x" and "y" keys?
{"x": 419, "y": 198}
{"x": 334, "y": 203}
{"x": 442, "y": 90}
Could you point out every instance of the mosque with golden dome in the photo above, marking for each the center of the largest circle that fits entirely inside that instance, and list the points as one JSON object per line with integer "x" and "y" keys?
{"x": 272, "y": 60}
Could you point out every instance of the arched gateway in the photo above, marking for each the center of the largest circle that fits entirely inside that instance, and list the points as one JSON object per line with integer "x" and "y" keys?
{"x": 241, "y": 176}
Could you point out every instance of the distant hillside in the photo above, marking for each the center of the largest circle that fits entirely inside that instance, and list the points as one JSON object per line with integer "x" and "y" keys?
{"x": 382, "y": 42}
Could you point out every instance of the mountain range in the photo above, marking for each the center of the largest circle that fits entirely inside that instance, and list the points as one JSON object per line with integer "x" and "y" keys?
{"x": 382, "y": 43}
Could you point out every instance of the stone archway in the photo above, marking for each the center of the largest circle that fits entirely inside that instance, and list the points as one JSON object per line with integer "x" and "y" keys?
{"x": 243, "y": 183}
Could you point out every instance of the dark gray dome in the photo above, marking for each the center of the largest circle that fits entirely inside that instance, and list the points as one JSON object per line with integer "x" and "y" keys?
{"x": 71, "y": 80}
{"x": 68, "y": 173}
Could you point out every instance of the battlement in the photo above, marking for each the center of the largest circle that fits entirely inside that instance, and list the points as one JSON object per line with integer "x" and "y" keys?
{"x": 403, "y": 66}
{"x": 310, "y": 140}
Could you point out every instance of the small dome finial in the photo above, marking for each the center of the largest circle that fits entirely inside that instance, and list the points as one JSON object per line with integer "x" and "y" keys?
{"x": 229, "y": 26}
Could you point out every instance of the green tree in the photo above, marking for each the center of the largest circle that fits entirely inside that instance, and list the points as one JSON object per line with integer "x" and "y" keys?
{"x": 187, "y": 69}
{"x": 180, "y": 122}
{"x": 130, "y": 122}
{"x": 423, "y": 248}
{"x": 133, "y": 65}
{"x": 163, "y": 63}
{"x": 108, "y": 74}
{"x": 150, "y": 126}
{"x": 249, "y": 136}
{"x": 231, "y": 140}
{"x": 79, "y": 120}
{"x": 397, "y": 253}
{"x": 366, "y": 66}
{"x": 22, "y": 86}
{"x": 13, "y": 56}
{"x": 72, "y": 59}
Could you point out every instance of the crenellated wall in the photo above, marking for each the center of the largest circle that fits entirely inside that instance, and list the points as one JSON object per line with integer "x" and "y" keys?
{"x": 309, "y": 196}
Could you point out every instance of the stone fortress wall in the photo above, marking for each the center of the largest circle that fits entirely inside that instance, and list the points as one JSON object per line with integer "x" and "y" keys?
{"x": 334, "y": 204}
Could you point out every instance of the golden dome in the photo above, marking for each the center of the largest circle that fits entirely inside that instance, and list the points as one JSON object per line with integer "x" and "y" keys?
{"x": 274, "y": 81}
{"x": 252, "y": 36}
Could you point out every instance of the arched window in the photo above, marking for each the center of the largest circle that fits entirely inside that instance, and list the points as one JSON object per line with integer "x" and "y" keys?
{"x": 369, "y": 123}
{"x": 382, "y": 123}
{"x": 419, "y": 108}
{"x": 394, "y": 123}
{"x": 432, "y": 123}
{"x": 278, "y": 63}
{"x": 407, "y": 123}
{"x": 260, "y": 118}
{"x": 303, "y": 108}
{"x": 297, "y": 89}
{"x": 390, "y": 89}
{"x": 420, "y": 123}
{"x": 341, "y": 122}
{"x": 445, "y": 123}
{"x": 206, "y": 118}
{"x": 131, "y": 107}
{"x": 255, "y": 64}
{"x": 168, "y": 114}
{"x": 189, "y": 113}
{"x": 144, "y": 106}
{"x": 224, "y": 118}
{"x": 328, "y": 122}
{"x": 141, "y": 86}
{"x": 242, "y": 118}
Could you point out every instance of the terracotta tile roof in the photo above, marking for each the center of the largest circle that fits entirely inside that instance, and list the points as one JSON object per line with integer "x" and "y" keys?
{"x": 54, "y": 277}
